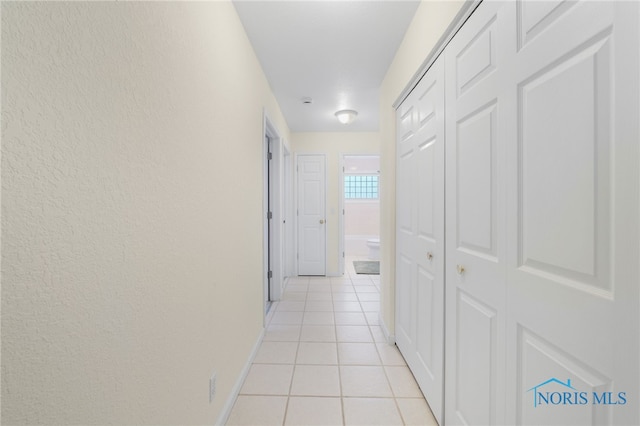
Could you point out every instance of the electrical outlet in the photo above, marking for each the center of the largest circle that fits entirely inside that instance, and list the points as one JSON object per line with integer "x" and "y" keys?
{"x": 212, "y": 386}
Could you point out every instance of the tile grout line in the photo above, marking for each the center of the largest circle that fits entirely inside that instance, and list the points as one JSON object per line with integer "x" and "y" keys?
{"x": 339, "y": 364}
{"x": 393, "y": 392}
{"x": 295, "y": 358}
{"x": 335, "y": 327}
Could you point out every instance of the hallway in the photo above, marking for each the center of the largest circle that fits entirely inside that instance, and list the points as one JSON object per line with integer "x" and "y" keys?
{"x": 324, "y": 361}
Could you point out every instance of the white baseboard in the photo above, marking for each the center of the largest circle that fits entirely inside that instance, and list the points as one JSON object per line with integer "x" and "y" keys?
{"x": 231, "y": 400}
{"x": 391, "y": 338}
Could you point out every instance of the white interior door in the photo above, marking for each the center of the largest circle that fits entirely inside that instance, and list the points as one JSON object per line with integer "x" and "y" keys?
{"x": 311, "y": 215}
{"x": 573, "y": 236}
{"x": 476, "y": 228}
{"x": 542, "y": 319}
{"x": 420, "y": 235}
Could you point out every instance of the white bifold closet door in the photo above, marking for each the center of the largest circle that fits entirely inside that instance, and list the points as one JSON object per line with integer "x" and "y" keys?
{"x": 572, "y": 126}
{"x": 420, "y": 235}
{"x": 542, "y": 214}
{"x": 476, "y": 256}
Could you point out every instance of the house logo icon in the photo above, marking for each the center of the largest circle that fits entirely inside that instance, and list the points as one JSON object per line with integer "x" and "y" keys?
{"x": 539, "y": 396}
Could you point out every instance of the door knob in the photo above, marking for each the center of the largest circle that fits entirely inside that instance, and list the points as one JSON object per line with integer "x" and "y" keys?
{"x": 460, "y": 269}
{"x": 430, "y": 256}
{"x": 321, "y": 221}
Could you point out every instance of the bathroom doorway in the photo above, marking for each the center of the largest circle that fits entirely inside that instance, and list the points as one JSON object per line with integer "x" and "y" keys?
{"x": 361, "y": 209}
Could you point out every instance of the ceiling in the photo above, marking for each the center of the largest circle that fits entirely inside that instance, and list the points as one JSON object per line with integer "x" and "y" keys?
{"x": 335, "y": 52}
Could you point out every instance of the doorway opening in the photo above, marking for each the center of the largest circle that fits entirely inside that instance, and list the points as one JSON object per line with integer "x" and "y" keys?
{"x": 268, "y": 225}
{"x": 360, "y": 228}
{"x": 275, "y": 156}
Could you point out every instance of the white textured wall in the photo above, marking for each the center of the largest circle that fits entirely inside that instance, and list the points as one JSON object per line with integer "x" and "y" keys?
{"x": 131, "y": 210}
{"x": 429, "y": 23}
{"x": 334, "y": 145}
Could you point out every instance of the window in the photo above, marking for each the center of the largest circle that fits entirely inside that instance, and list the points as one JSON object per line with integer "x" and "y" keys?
{"x": 361, "y": 187}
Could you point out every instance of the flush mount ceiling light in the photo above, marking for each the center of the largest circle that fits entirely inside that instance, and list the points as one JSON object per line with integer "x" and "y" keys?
{"x": 346, "y": 116}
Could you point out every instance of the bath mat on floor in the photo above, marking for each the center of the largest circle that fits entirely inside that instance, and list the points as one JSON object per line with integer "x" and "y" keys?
{"x": 371, "y": 267}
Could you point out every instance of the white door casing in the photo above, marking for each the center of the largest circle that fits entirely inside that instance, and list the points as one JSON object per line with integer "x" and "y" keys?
{"x": 278, "y": 240}
{"x": 311, "y": 184}
{"x": 420, "y": 235}
{"x": 275, "y": 190}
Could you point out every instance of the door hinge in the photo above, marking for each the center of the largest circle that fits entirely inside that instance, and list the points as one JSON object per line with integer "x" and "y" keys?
{"x": 270, "y": 156}
{"x": 269, "y": 215}
{"x": 270, "y": 274}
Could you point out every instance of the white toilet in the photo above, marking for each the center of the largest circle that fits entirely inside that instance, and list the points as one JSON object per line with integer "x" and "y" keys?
{"x": 374, "y": 248}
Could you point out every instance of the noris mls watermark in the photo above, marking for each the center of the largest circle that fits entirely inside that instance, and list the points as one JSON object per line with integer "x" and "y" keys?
{"x": 557, "y": 392}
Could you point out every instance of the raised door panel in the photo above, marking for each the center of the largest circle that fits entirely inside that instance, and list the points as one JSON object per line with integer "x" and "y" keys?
{"x": 534, "y": 17}
{"x": 565, "y": 111}
{"x": 477, "y": 58}
{"x": 477, "y": 182}
{"x": 426, "y": 189}
{"x": 405, "y": 299}
{"x": 427, "y": 325}
{"x": 476, "y": 363}
{"x": 573, "y": 321}
{"x": 404, "y": 168}
{"x": 566, "y": 381}
{"x": 405, "y": 200}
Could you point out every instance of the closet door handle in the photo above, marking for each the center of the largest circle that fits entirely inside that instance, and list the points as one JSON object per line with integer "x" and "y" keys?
{"x": 321, "y": 221}
{"x": 430, "y": 256}
{"x": 460, "y": 269}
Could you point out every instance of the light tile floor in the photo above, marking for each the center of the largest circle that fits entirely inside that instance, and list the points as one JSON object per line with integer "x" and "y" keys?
{"x": 324, "y": 361}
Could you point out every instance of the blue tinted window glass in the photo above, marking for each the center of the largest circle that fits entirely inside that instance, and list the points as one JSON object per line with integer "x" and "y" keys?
{"x": 361, "y": 187}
